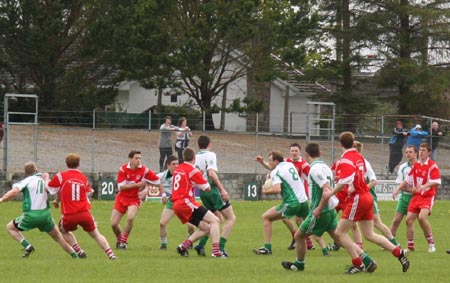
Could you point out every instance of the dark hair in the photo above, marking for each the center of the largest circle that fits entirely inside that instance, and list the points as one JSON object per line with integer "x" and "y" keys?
{"x": 203, "y": 142}
{"x": 295, "y": 145}
{"x": 413, "y": 147}
{"x": 313, "y": 150}
{"x": 277, "y": 156}
{"x": 346, "y": 139}
{"x": 170, "y": 159}
{"x": 133, "y": 153}
{"x": 167, "y": 118}
{"x": 181, "y": 120}
{"x": 188, "y": 154}
{"x": 73, "y": 160}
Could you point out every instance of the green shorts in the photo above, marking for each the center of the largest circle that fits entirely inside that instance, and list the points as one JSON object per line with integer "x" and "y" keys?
{"x": 288, "y": 211}
{"x": 327, "y": 222}
{"x": 169, "y": 204}
{"x": 41, "y": 219}
{"x": 212, "y": 200}
{"x": 402, "y": 204}
{"x": 375, "y": 201}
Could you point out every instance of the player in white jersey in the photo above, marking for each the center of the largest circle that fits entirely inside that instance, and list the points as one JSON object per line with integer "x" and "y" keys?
{"x": 165, "y": 188}
{"x": 405, "y": 197}
{"x": 36, "y": 210}
{"x": 286, "y": 181}
{"x": 217, "y": 200}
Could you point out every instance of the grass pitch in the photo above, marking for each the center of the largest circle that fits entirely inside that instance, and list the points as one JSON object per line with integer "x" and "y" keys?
{"x": 144, "y": 262}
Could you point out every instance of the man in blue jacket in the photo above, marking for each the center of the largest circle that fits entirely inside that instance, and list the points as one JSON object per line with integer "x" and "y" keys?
{"x": 416, "y": 136}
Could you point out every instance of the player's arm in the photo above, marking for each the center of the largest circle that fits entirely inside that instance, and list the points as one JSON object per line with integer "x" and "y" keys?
{"x": 213, "y": 175}
{"x": 162, "y": 193}
{"x": 264, "y": 163}
{"x": 326, "y": 194}
{"x": 10, "y": 194}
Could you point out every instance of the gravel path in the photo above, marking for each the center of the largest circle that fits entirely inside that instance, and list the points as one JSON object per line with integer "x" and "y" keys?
{"x": 105, "y": 150}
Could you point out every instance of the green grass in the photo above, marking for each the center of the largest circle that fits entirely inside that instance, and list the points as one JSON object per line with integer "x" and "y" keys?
{"x": 144, "y": 262}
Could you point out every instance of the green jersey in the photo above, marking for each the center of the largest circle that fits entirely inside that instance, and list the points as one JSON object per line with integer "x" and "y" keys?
{"x": 34, "y": 194}
{"x": 292, "y": 189}
{"x": 319, "y": 175}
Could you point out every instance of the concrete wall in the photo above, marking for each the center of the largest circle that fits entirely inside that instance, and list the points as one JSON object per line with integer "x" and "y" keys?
{"x": 237, "y": 185}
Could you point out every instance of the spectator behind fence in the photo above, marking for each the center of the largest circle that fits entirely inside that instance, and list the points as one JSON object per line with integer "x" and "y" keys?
{"x": 396, "y": 144}
{"x": 416, "y": 136}
{"x": 436, "y": 133}
{"x": 183, "y": 135}
{"x": 165, "y": 142}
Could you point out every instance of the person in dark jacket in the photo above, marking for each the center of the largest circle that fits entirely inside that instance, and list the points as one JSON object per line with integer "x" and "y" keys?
{"x": 396, "y": 144}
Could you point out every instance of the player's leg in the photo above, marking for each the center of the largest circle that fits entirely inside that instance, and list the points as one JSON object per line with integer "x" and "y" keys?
{"x": 214, "y": 231}
{"x": 102, "y": 242}
{"x": 268, "y": 217}
{"x": 292, "y": 229}
{"x": 131, "y": 215}
{"x": 384, "y": 229}
{"x": 118, "y": 212}
{"x": 166, "y": 215}
{"x": 13, "y": 229}
{"x": 398, "y": 217}
{"x": 368, "y": 232}
{"x": 57, "y": 236}
{"x": 410, "y": 218}
{"x": 426, "y": 228}
{"x": 230, "y": 219}
{"x": 344, "y": 240}
{"x": 357, "y": 238}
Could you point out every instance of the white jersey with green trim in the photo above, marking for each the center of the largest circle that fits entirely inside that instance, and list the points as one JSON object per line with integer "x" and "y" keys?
{"x": 35, "y": 196}
{"x": 166, "y": 181}
{"x": 292, "y": 189}
{"x": 319, "y": 175}
{"x": 402, "y": 173}
{"x": 205, "y": 160}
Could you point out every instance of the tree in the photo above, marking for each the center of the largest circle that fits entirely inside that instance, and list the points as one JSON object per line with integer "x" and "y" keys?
{"x": 57, "y": 50}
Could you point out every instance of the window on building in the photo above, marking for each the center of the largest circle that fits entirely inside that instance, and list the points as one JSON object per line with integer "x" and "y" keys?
{"x": 173, "y": 98}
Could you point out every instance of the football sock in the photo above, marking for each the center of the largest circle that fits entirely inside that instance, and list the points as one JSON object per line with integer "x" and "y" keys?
{"x": 163, "y": 240}
{"x": 396, "y": 251}
{"x": 76, "y": 247}
{"x": 203, "y": 240}
{"x": 357, "y": 261}
{"x": 268, "y": 246}
{"x": 429, "y": 238}
{"x": 394, "y": 241}
{"x": 300, "y": 264}
{"x": 411, "y": 244}
{"x": 109, "y": 252}
{"x": 74, "y": 255}
{"x": 24, "y": 243}
{"x": 215, "y": 249}
{"x": 366, "y": 259}
{"x": 309, "y": 243}
{"x": 124, "y": 237}
{"x": 187, "y": 244}
{"x": 222, "y": 243}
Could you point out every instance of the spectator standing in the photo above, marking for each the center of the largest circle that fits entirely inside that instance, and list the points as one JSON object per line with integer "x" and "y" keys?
{"x": 436, "y": 133}
{"x": 165, "y": 142}
{"x": 416, "y": 136}
{"x": 183, "y": 135}
{"x": 396, "y": 144}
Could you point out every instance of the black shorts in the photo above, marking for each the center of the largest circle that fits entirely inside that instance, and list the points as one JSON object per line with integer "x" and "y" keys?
{"x": 197, "y": 215}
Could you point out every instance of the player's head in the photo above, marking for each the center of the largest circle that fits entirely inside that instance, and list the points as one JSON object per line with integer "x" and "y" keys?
{"x": 135, "y": 157}
{"x": 275, "y": 157}
{"x": 189, "y": 155}
{"x": 424, "y": 151}
{"x": 181, "y": 121}
{"x": 172, "y": 163}
{"x": 203, "y": 142}
{"x": 295, "y": 150}
{"x": 411, "y": 153}
{"x": 346, "y": 139}
{"x": 313, "y": 150}
{"x": 425, "y": 146}
{"x": 73, "y": 160}
{"x": 358, "y": 146}
{"x": 30, "y": 168}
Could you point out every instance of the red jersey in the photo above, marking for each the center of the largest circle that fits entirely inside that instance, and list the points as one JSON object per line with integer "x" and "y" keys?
{"x": 73, "y": 187}
{"x": 351, "y": 170}
{"x": 127, "y": 175}
{"x": 184, "y": 179}
{"x": 342, "y": 194}
{"x": 421, "y": 174}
